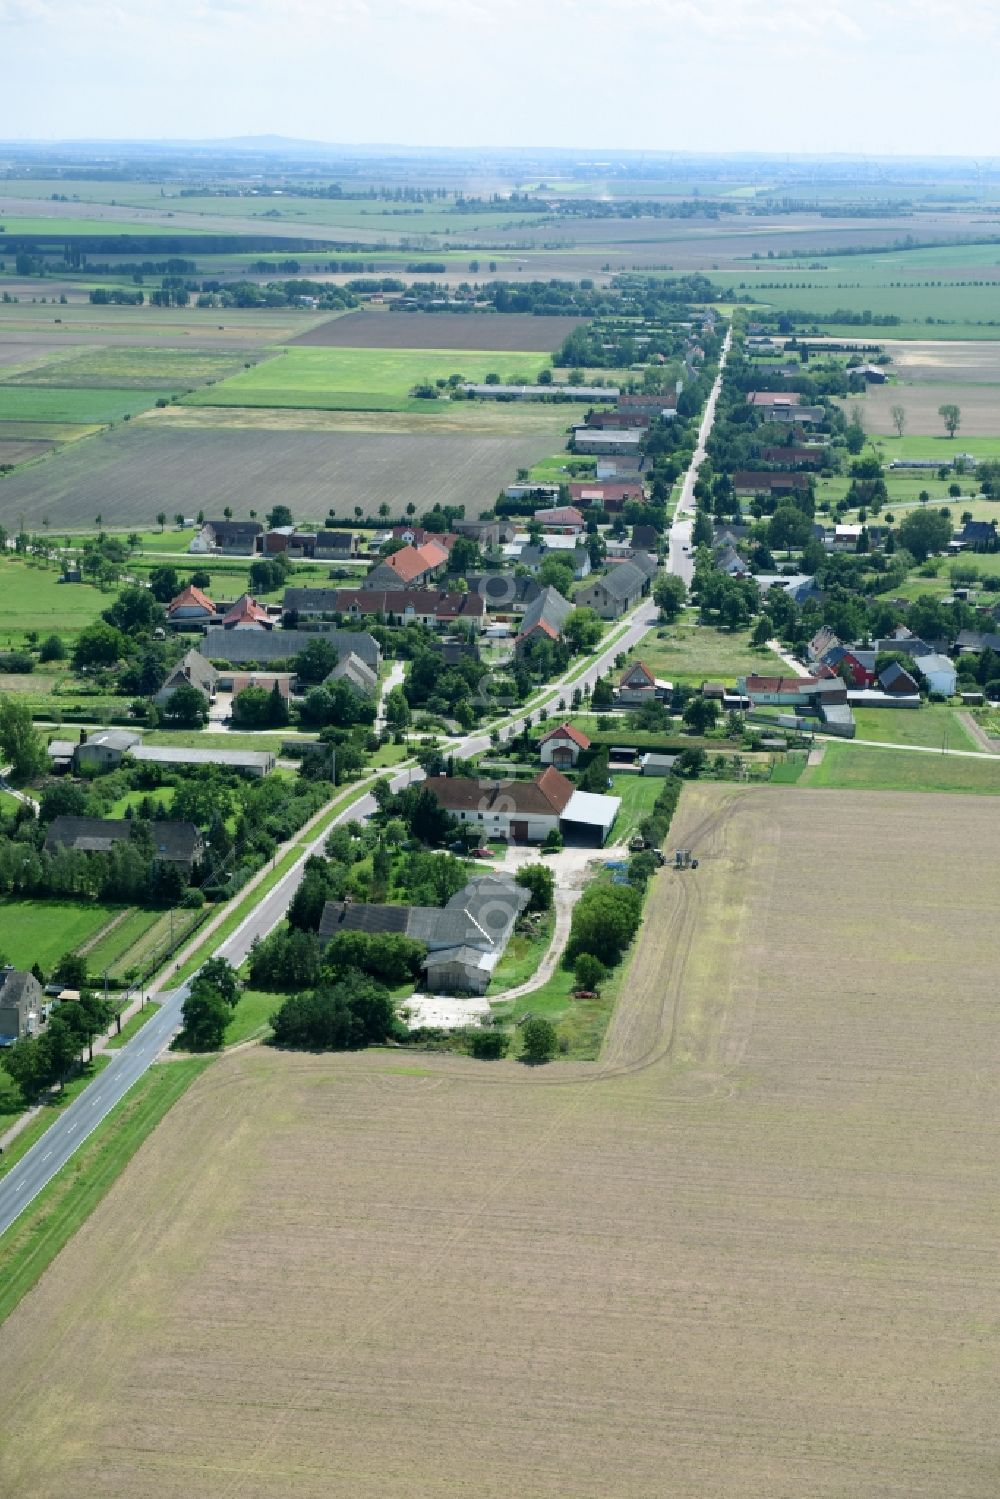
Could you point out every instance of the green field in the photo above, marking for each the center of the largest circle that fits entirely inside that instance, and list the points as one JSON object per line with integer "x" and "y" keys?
{"x": 694, "y": 653}
{"x": 933, "y": 725}
{"x": 847, "y": 767}
{"x": 32, "y": 598}
{"x": 26, "y": 403}
{"x": 125, "y": 939}
{"x": 127, "y": 369}
{"x": 57, "y": 228}
{"x": 252, "y": 1016}
{"x": 361, "y": 379}
{"x": 41, "y": 931}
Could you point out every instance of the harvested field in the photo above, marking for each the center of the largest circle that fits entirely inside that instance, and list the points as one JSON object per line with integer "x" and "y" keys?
{"x": 753, "y": 1250}
{"x": 23, "y": 452}
{"x": 973, "y": 363}
{"x": 464, "y": 418}
{"x": 419, "y": 330}
{"x": 979, "y": 404}
{"x": 128, "y": 475}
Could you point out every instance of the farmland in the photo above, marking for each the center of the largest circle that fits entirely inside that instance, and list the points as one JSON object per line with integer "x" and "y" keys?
{"x": 414, "y": 330}
{"x": 365, "y": 379}
{"x": 754, "y": 1249}
{"x": 128, "y": 475}
{"x": 978, "y": 405}
{"x": 138, "y": 368}
{"x": 27, "y": 403}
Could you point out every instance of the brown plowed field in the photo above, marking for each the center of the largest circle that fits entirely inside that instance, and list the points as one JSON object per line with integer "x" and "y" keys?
{"x": 128, "y": 475}
{"x": 979, "y": 405}
{"x": 751, "y": 1254}
{"x": 513, "y": 331}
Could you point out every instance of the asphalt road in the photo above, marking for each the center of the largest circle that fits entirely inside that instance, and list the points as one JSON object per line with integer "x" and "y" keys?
{"x": 67, "y": 1133}
{"x": 681, "y": 558}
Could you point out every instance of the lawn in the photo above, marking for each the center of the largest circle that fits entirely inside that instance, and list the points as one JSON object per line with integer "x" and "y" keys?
{"x": 695, "y": 653}
{"x": 523, "y": 954}
{"x": 638, "y": 793}
{"x": 853, "y": 767}
{"x": 365, "y": 379}
{"x": 252, "y": 1016}
{"x": 932, "y": 725}
{"x": 42, "y": 931}
{"x": 161, "y": 795}
{"x": 33, "y": 598}
{"x": 25, "y": 403}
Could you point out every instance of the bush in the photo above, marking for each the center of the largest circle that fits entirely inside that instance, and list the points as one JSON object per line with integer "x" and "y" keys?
{"x": 539, "y": 1041}
{"x": 488, "y": 1044}
{"x": 588, "y": 971}
{"x": 345, "y": 1016}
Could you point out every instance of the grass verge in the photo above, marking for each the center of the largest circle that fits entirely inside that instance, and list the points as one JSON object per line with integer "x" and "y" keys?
{"x": 31, "y": 1244}
{"x": 48, "y": 1113}
{"x": 131, "y": 1027}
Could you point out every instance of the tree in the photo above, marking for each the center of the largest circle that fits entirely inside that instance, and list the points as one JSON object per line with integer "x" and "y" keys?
{"x": 922, "y": 532}
{"x": 397, "y": 710}
{"x": 789, "y": 527}
{"x": 161, "y": 518}
{"x": 70, "y": 971}
{"x": 353, "y": 1013}
{"x": 556, "y": 572}
{"x": 223, "y": 978}
{"x": 701, "y": 531}
{"x": 588, "y": 971}
{"x": 670, "y": 596}
{"x": 700, "y": 714}
{"x": 186, "y": 708}
{"x": 316, "y": 661}
{"x": 602, "y": 696}
{"x": 538, "y": 1041}
{"x": 951, "y": 415}
{"x": 279, "y": 515}
{"x": 134, "y": 611}
{"x": 464, "y": 556}
{"x": 20, "y": 742}
{"x": 582, "y": 629}
{"x": 52, "y": 649}
{"x": 595, "y": 777}
{"x": 205, "y": 1015}
{"x": 164, "y": 584}
{"x": 762, "y": 631}
{"x": 540, "y": 881}
{"x": 98, "y": 645}
{"x": 898, "y": 415}
{"x": 605, "y": 919}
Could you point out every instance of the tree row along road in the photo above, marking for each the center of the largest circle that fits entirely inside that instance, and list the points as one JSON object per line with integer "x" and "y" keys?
{"x": 67, "y": 1133}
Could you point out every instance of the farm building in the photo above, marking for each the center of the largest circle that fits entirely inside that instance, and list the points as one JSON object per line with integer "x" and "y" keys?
{"x": 246, "y": 647}
{"x": 527, "y": 811}
{"x": 254, "y": 763}
{"x": 651, "y": 764}
{"x": 760, "y": 481}
{"x": 622, "y": 444}
{"x": 21, "y": 1005}
{"x": 561, "y": 746}
{"x": 233, "y": 538}
{"x": 465, "y": 938}
{"x": 173, "y": 842}
{"x": 587, "y": 819}
{"x": 612, "y": 495}
{"x": 494, "y": 392}
{"x": 616, "y": 592}
{"x": 336, "y": 546}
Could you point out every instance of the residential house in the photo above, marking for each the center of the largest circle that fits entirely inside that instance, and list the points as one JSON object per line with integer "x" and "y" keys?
{"x": 611, "y": 495}
{"x": 534, "y": 557}
{"x": 247, "y": 614}
{"x": 801, "y": 587}
{"x": 794, "y": 457}
{"x": 337, "y": 546}
{"x": 22, "y": 1003}
{"x": 561, "y": 520}
{"x": 649, "y": 405}
{"x": 191, "y": 609}
{"x": 232, "y": 538}
{"x": 436, "y": 608}
{"x": 173, "y": 842}
{"x": 620, "y": 467}
{"x": 465, "y": 938}
{"x": 412, "y": 566}
{"x": 505, "y": 594}
{"x": 637, "y": 685}
{"x": 980, "y": 535}
{"x": 761, "y": 481}
{"x": 543, "y": 620}
{"x": 645, "y": 538}
{"x": 615, "y": 592}
{"x": 527, "y": 811}
{"x": 486, "y": 533}
{"x": 266, "y": 648}
{"x": 561, "y": 746}
{"x": 357, "y": 675}
{"x": 977, "y": 640}
{"x": 729, "y": 561}
{"x": 236, "y": 682}
{"x": 767, "y": 398}
{"x": 192, "y": 670}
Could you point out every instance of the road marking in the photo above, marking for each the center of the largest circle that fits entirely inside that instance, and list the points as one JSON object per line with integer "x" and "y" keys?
{"x": 19, "y": 1186}
{"x": 71, "y": 1129}
{"x": 46, "y": 1155}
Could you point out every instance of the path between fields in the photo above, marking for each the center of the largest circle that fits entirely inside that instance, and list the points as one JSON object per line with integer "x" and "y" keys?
{"x": 104, "y": 932}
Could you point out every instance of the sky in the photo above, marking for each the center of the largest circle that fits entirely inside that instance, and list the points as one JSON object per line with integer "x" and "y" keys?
{"x": 893, "y": 77}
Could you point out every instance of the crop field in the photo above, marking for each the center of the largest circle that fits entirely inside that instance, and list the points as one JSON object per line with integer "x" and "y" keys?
{"x": 365, "y": 379}
{"x": 23, "y": 450}
{"x": 25, "y": 403}
{"x": 944, "y": 363}
{"x": 134, "y": 368}
{"x": 129, "y": 475}
{"x": 854, "y": 767}
{"x": 416, "y": 330}
{"x": 29, "y": 327}
{"x": 462, "y": 418}
{"x": 752, "y": 1249}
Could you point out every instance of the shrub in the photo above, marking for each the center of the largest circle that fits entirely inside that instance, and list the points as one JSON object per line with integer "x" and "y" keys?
{"x": 539, "y": 1041}
{"x": 488, "y": 1044}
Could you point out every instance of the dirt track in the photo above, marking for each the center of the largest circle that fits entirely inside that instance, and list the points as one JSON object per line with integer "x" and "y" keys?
{"x": 749, "y": 1254}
